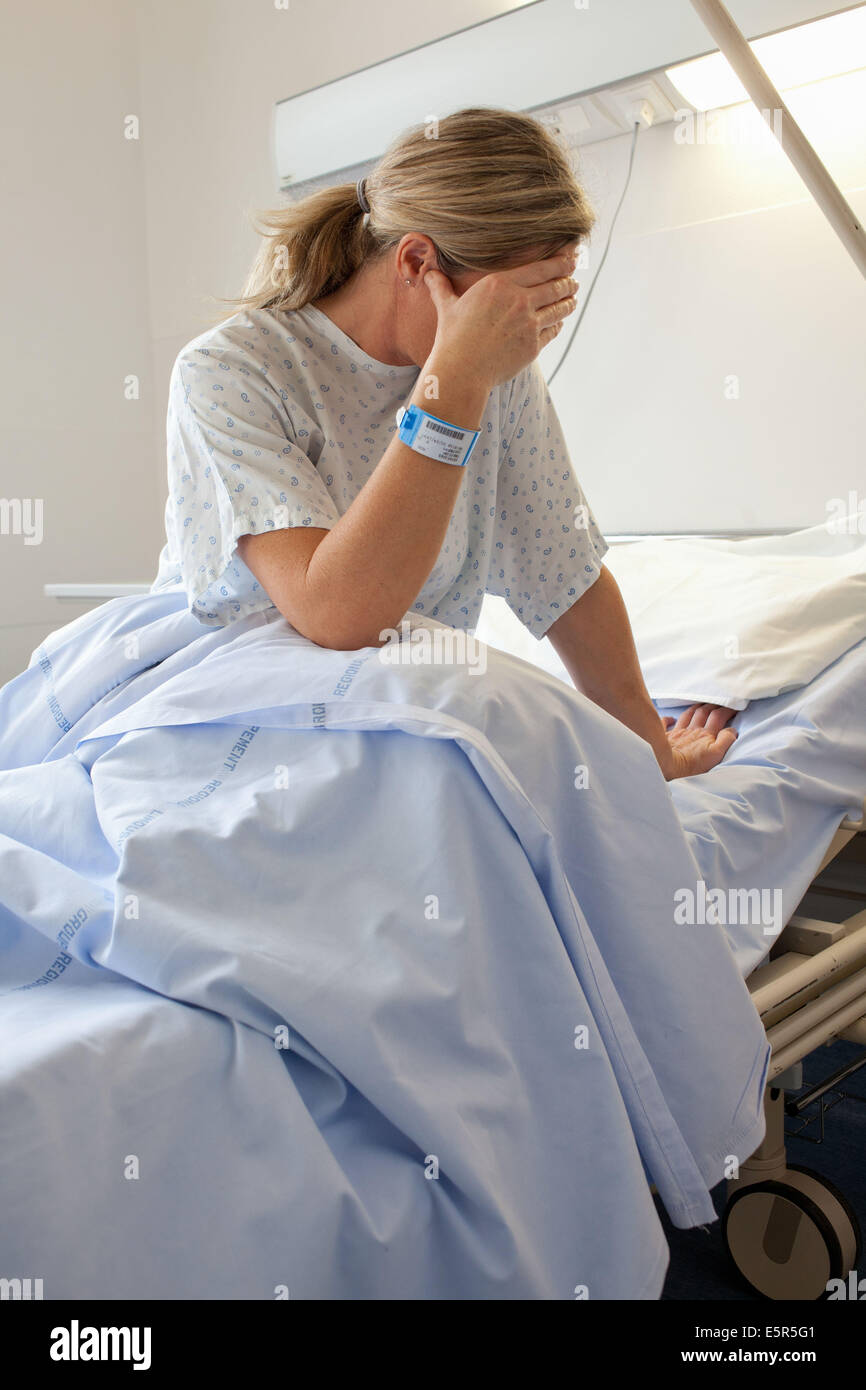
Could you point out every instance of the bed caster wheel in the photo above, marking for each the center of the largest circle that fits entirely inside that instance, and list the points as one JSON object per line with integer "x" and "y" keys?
{"x": 789, "y": 1236}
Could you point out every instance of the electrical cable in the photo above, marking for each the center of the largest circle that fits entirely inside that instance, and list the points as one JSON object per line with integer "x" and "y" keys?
{"x": 571, "y": 339}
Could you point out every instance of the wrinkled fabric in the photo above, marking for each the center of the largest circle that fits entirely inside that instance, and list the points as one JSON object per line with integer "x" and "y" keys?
{"x": 782, "y": 609}
{"x": 764, "y": 818}
{"x": 371, "y": 968}
{"x": 727, "y": 622}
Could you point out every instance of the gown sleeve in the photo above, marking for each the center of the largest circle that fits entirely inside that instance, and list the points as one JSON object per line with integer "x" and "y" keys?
{"x": 234, "y": 468}
{"x": 547, "y": 547}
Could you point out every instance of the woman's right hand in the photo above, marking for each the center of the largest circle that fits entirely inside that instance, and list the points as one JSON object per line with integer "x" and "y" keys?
{"x": 501, "y": 323}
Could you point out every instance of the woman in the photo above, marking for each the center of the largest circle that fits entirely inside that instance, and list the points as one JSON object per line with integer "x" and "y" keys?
{"x": 341, "y": 941}
{"x": 433, "y": 284}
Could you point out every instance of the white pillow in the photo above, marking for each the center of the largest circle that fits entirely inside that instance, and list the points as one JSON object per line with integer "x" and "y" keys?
{"x": 727, "y": 621}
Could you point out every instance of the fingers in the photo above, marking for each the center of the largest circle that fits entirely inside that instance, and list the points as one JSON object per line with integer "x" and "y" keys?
{"x": 715, "y": 751}
{"x": 556, "y": 312}
{"x": 539, "y": 272}
{"x": 564, "y": 287}
{"x": 696, "y": 748}
{"x": 686, "y": 717}
{"x": 711, "y": 717}
{"x": 667, "y": 721}
{"x": 718, "y": 717}
{"x": 440, "y": 288}
{"x": 547, "y": 335}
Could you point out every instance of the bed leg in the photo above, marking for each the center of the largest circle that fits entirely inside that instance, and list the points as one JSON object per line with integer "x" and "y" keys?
{"x": 769, "y": 1160}
{"x": 788, "y": 1230}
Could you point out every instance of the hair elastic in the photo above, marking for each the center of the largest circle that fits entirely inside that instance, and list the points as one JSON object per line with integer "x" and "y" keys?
{"x": 361, "y": 195}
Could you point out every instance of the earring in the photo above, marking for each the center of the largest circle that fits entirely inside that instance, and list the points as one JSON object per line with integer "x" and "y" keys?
{"x": 409, "y": 282}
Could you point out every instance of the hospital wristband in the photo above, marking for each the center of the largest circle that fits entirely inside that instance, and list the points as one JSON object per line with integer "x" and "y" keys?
{"x": 435, "y": 438}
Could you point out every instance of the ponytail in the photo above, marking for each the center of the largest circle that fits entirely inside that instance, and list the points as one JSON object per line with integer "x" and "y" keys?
{"x": 309, "y": 249}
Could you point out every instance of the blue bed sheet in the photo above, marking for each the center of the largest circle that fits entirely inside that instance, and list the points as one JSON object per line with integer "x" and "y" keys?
{"x": 330, "y": 978}
{"x": 765, "y": 816}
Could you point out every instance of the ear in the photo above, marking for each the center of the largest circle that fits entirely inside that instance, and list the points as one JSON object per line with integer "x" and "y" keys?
{"x": 416, "y": 254}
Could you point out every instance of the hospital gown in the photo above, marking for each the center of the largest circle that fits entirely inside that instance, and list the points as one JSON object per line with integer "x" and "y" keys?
{"x": 278, "y": 420}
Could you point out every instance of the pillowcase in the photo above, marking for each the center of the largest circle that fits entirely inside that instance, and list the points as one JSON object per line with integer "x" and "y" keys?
{"x": 726, "y": 622}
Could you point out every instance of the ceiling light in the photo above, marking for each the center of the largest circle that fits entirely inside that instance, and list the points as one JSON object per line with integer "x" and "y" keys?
{"x": 791, "y": 58}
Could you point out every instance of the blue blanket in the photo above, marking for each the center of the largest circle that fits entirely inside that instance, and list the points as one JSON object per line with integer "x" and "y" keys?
{"x": 326, "y": 977}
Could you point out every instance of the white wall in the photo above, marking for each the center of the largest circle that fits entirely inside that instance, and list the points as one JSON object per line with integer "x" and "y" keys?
{"x": 75, "y": 313}
{"x": 721, "y": 266}
{"x": 212, "y": 72}
{"x": 113, "y": 249}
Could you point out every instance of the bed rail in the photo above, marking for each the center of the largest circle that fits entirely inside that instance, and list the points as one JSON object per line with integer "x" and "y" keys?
{"x": 813, "y": 989}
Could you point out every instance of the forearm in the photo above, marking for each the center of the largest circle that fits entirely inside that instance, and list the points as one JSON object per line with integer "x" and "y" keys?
{"x": 369, "y": 569}
{"x": 594, "y": 641}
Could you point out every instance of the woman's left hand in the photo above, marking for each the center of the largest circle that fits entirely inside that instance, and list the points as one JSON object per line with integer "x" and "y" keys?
{"x": 698, "y": 740}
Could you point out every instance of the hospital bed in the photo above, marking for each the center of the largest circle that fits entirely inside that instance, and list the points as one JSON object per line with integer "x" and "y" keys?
{"x": 788, "y": 1229}
{"x": 178, "y": 1063}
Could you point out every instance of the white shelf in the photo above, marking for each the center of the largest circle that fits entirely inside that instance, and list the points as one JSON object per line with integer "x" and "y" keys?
{"x": 102, "y": 592}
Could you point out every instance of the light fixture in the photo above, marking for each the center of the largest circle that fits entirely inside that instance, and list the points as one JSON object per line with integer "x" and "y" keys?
{"x": 791, "y": 58}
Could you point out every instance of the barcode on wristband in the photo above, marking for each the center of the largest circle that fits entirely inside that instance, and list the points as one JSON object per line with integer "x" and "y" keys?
{"x": 443, "y": 429}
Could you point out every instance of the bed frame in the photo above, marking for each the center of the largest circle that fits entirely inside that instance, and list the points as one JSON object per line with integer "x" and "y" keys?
{"x": 788, "y": 1230}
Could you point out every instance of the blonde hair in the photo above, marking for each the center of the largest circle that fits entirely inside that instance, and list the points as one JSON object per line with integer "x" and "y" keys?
{"x": 487, "y": 186}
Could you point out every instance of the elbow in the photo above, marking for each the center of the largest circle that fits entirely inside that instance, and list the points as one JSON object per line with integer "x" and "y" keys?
{"x": 337, "y": 620}
{"x": 334, "y": 632}
{"x": 341, "y": 640}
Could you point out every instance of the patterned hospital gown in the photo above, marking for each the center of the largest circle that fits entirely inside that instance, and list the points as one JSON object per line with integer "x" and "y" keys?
{"x": 278, "y": 419}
